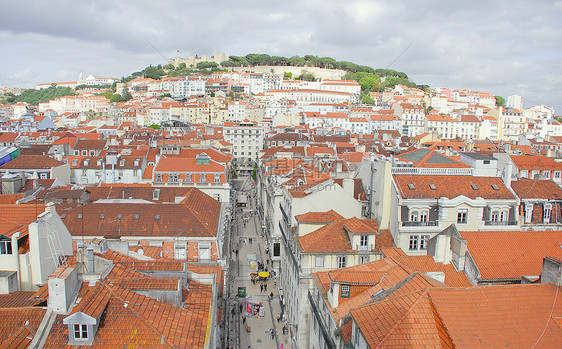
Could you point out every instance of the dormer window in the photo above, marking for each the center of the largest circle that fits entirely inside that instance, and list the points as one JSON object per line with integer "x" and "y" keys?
{"x": 80, "y": 331}
{"x": 122, "y": 163}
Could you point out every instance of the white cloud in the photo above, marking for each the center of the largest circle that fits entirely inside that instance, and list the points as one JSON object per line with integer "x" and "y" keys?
{"x": 496, "y": 46}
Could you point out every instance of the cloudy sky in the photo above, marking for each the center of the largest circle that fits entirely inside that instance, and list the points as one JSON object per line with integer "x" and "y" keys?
{"x": 502, "y": 47}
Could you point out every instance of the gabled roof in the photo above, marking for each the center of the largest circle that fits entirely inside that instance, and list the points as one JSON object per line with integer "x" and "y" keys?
{"x": 536, "y": 189}
{"x": 534, "y": 162}
{"x": 430, "y": 158}
{"x": 30, "y": 162}
{"x": 318, "y": 217}
{"x": 512, "y": 254}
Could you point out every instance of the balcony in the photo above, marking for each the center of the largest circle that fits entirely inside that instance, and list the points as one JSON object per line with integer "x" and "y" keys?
{"x": 513, "y": 222}
{"x": 420, "y": 224}
{"x": 365, "y": 248}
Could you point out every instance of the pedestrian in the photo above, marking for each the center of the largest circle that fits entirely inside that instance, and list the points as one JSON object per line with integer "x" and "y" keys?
{"x": 284, "y": 329}
{"x": 269, "y": 333}
{"x": 243, "y": 319}
{"x": 271, "y": 295}
{"x": 261, "y": 288}
{"x": 272, "y": 334}
{"x": 278, "y": 317}
{"x": 250, "y": 241}
{"x": 281, "y": 346}
{"x": 265, "y": 287}
{"x": 241, "y": 307}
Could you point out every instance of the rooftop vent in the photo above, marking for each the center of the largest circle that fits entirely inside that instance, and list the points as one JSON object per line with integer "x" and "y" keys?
{"x": 119, "y": 216}
{"x": 80, "y": 216}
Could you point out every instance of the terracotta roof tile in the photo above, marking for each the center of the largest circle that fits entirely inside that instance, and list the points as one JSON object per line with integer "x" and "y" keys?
{"x": 318, "y": 217}
{"x": 451, "y": 187}
{"x": 30, "y": 162}
{"x": 536, "y": 189}
{"x": 512, "y": 254}
{"x": 500, "y": 316}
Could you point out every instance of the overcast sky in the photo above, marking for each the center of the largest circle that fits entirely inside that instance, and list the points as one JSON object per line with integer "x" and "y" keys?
{"x": 502, "y": 47}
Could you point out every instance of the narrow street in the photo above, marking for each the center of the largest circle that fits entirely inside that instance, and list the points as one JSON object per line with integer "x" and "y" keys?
{"x": 249, "y": 249}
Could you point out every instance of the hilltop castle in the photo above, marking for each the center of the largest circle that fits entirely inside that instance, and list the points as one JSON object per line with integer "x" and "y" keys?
{"x": 193, "y": 60}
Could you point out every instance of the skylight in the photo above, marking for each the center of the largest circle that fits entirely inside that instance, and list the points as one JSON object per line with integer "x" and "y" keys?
{"x": 137, "y": 216}
{"x": 495, "y": 187}
{"x": 102, "y": 216}
{"x": 474, "y": 186}
{"x": 432, "y": 187}
{"x": 157, "y": 216}
{"x": 411, "y": 187}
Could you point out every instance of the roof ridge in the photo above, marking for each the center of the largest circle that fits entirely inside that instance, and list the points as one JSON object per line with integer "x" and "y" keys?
{"x": 136, "y": 313}
{"x": 399, "y": 322}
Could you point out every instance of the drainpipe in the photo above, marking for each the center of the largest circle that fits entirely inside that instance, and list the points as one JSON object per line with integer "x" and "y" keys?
{"x": 15, "y": 252}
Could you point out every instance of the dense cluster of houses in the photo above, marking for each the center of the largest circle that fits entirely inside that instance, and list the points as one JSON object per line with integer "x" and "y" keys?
{"x": 387, "y": 225}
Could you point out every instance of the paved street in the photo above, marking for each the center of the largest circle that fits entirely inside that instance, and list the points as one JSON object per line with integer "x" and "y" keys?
{"x": 253, "y": 331}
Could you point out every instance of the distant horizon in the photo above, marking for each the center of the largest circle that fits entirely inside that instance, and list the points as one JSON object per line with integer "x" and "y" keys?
{"x": 502, "y": 48}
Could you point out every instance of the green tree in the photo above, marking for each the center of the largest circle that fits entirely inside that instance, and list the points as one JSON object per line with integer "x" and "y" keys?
{"x": 371, "y": 82}
{"x": 287, "y": 75}
{"x": 500, "y": 101}
{"x": 151, "y": 72}
{"x": 154, "y": 126}
{"x": 115, "y": 98}
{"x": 366, "y": 99}
{"x": 106, "y": 94}
{"x": 306, "y": 76}
{"x": 126, "y": 95}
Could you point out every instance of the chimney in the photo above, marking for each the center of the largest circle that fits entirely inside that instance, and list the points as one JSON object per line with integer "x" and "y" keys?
{"x": 551, "y": 271}
{"x": 90, "y": 253}
{"x": 508, "y": 169}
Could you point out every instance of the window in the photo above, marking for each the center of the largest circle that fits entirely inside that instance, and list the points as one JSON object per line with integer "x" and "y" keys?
{"x": 173, "y": 177}
{"x": 413, "y": 246}
{"x": 462, "y": 215}
{"x": 276, "y": 249}
{"x": 486, "y": 162}
{"x": 363, "y": 259}
{"x": 495, "y": 216}
{"x": 80, "y": 332}
{"x": 503, "y": 216}
{"x": 217, "y": 178}
{"x": 364, "y": 240}
{"x": 43, "y": 176}
{"x": 423, "y": 242}
{"x": 345, "y": 291}
{"x": 528, "y": 213}
{"x": 158, "y": 177}
{"x": 546, "y": 174}
{"x": 180, "y": 252}
{"x": 423, "y": 216}
{"x": 547, "y": 213}
{"x": 202, "y": 178}
{"x": 341, "y": 262}
{"x": 557, "y": 175}
{"x": 319, "y": 261}
{"x": 5, "y": 247}
{"x": 414, "y": 216}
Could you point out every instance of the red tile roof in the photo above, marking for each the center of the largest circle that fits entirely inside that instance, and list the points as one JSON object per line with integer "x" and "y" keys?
{"x": 507, "y": 316}
{"x": 318, "y": 217}
{"x": 512, "y": 254}
{"x": 451, "y": 187}
{"x": 536, "y": 189}
{"x": 30, "y": 162}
